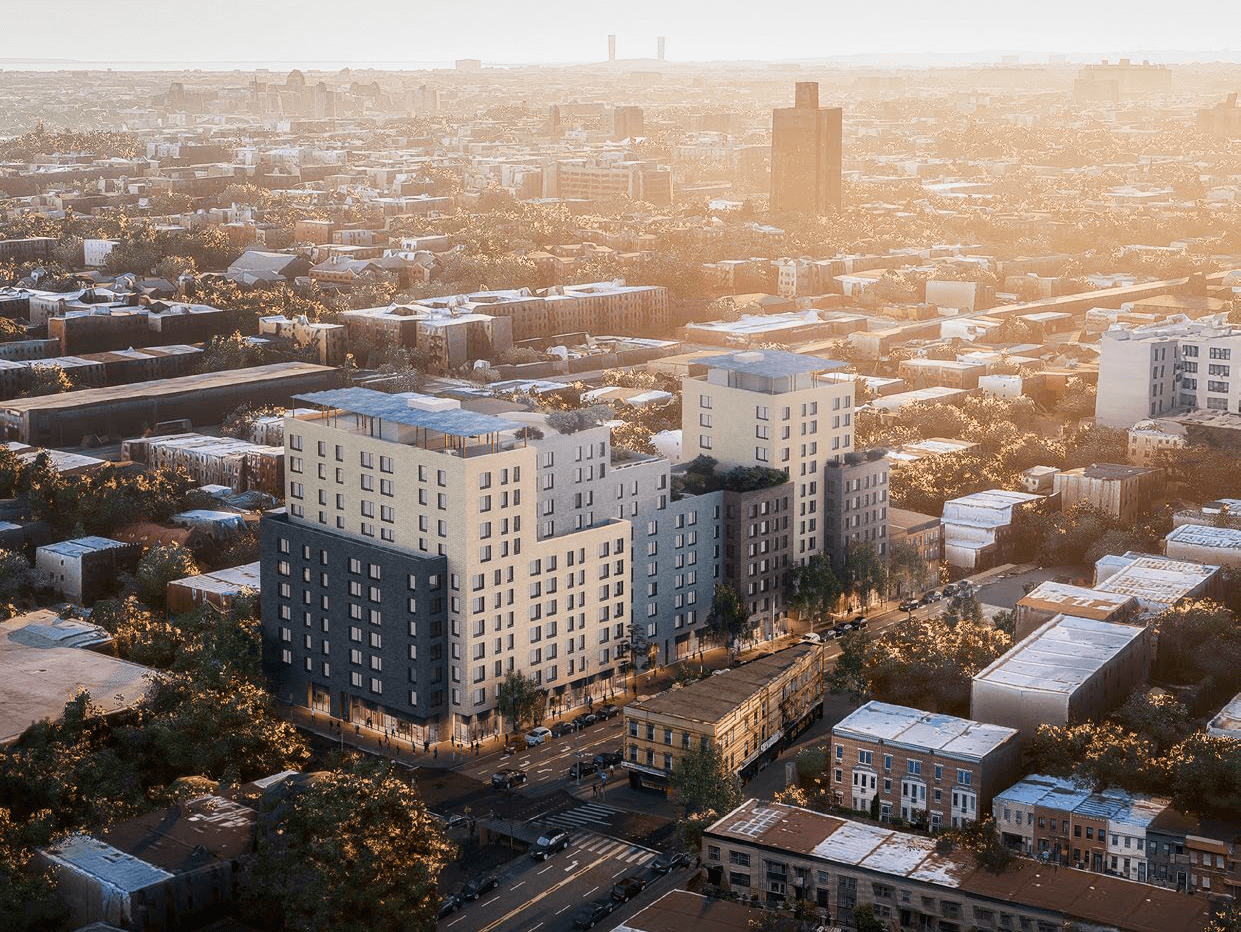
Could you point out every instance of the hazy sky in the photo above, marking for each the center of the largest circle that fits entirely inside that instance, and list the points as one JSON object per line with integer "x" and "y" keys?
{"x": 359, "y": 31}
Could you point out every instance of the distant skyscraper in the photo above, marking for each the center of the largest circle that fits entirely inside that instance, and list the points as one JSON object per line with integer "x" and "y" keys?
{"x": 611, "y": 48}
{"x": 626, "y": 122}
{"x": 805, "y": 154}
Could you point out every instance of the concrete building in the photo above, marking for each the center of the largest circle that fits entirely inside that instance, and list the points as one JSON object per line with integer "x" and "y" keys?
{"x": 806, "y": 154}
{"x": 772, "y": 409}
{"x": 1121, "y": 491}
{"x": 855, "y": 506}
{"x": 778, "y": 852}
{"x": 926, "y": 534}
{"x": 1068, "y": 671}
{"x": 749, "y": 713}
{"x": 1227, "y": 721}
{"x": 128, "y": 410}
{"x": 497, "y": 551}
{"x": 936, "y": 770}
{"x": 1156, "y": 582}
{"x": 589, "y": 179}
{"x": 328, "y": 340}
{"x": 45, "y": 659}
{"x": 166, "y": 870}
{"x": 1220, "y": 546}
{"x": 228, "y": 461}
{"x": 218, "y": 588}
{"x": 1150, "y": 441}
{"x": 1049, "y": 599}
{"x": 87, "y": 568}
{"x": 1153, "y": 371}
{"x": 978, "y": 528}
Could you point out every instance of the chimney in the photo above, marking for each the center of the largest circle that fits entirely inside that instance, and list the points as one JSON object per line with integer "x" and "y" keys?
{"x": 611, "y": 48}
{"x": 659, "y": 48}
{"x": 807, "y": 94}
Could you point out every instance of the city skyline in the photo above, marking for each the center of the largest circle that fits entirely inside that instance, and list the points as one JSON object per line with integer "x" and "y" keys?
{"x": 564, "y": 33}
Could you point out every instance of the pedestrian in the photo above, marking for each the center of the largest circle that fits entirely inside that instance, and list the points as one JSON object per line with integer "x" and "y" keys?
{"x": 435, "y": 755}
{"x": 426, "y": 745}
{"x": 357, "y": 730}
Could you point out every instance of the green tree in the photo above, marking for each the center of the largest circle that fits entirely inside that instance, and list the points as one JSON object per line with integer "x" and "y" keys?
{"x": 728, "y": 619}
{"x": 520, "y": 701}
{"x": 848, "y": 674}
{"x": 907, "y": 568}
{"x": 46, "y": 380}
{"x": 27, "y": 899}
{"x": 160, "y": 565}
{"x": 240, "y": 421}
{"x": 328, "y": 830}
{"x": 865, "y": 920}
{"x": 701, "y": 781}
{"x": 864, "y": 572}
{"x": 816, "y": 590}
{"x": 141, "y": 634}
{"x": 19, "y": 581}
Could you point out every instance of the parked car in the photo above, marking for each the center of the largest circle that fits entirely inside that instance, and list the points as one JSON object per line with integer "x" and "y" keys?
{"x": 627, "y": 888}
{"x": 950, "y": 590}
{"x": 560, "y": 729}
{"x": 930, "y": 597}
{"x": 583, "y": 768}
{"x": 909, "y": 605}
{"x": 608, "y": 759}
{"x": 855, "y": 624}
{"x": 459, "y": 821}
{"x": 448, "y": 905}
{"x": 586, "y": 718}
{"x": 588, "y": 915}
{"x": 514, "y": 745}
{"x": 537, "y": 736}
{"x": 608, "y": 711}
{"x": 669, "y": 862}
{"x": 479, "y": 884}
{"x": 810, "y": 638}
{"x": 549, "y": 844}
{"x": 505, "y": 779}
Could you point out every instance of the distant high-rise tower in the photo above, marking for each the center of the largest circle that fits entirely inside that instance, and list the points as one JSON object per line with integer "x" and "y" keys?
{"x": 805, "y": 154}
{"x": 627, "y": 122}
{"x": 611, "y": 48}
{"x": 659, "y": 46}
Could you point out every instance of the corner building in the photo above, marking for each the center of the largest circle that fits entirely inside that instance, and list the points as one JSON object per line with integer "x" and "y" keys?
{"x": 427, "y": 551}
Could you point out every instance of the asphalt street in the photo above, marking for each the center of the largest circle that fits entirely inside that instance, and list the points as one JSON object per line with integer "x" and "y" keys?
{"x": 542, "y": 896}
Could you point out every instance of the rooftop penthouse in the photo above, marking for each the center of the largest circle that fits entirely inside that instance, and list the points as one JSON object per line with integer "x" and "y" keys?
{"x": 768, "y": 371}
{"x": 413, "y": 419}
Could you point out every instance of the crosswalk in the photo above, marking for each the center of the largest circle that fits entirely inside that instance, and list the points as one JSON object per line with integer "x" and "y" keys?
{"x": 583, "y": 816}
{"x": 585, "y": 822}
{"x": 617, "y": 850}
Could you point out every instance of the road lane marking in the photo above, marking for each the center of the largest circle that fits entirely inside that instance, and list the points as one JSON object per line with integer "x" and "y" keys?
{"x": 589, "y": 892}
{"x": 522, "y": 884}
{"x": 455, "y": 921}
{"x": 530, "y": 902}
{"x": 547, "y": 868}
{"x": 559, "y": 911}
{"x": 619, "y": 872}
{"x": 571, "y": 866}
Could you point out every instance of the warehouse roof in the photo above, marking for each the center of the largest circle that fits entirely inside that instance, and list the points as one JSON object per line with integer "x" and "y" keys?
{"x": 1198, "y": 535}
{"x": 1061, "y": 655}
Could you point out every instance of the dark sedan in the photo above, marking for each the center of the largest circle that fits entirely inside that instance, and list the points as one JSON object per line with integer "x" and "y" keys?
{"x": 588, "y": 915}
{"x": 479, "y": 884}
{"x": 669, "y": 862}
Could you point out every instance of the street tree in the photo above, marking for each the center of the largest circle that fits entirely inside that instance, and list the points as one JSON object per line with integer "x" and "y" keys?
{"x": 728, "y": 619}
{"x": 353, "y": 850}
{"x": 816, "y": 590}
{"x": 520, "y": 701}
{"x": 46, "y": 380}
{"x": 19, "y": 581}
{"x": 848, "y": 674}
{"x": 907, "y": 567}
{"x": 864, "y": 571}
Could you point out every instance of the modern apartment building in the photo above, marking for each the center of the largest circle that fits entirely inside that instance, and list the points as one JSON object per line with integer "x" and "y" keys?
{"x": 773, "y": 409}
{"x": 805, "y": 154}
{"x": 462, "y": 546}
{"x": 428, "y": 551}
{"x": 922, "y": 767}
{"x": 750, "y": 713}
{"x": 855, "y": 505}
{"x": 1151, "y": 371}
{"x": 779, "y": 852}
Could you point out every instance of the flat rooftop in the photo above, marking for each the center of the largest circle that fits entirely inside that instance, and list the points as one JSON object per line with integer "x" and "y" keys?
{"x": 367, "y": 402}
{"x": 900, "y": 725}
{"x": 716, "y": 697}
{"x": 1113, "y": 471}
{"x": 39, "y": 674}
{"x": 1198, "y": 535}
{"x": 1061, "y": 655}
{"x": 1227, "y": 721}
{"x": 679, "y": 910}
{"x": 206, "y": 381}
{"x": 1076, "y": 600}
{"x": 1157, "y": 579}
{"x": 769, "y": 363}
{"x": 1111, "y": 902}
